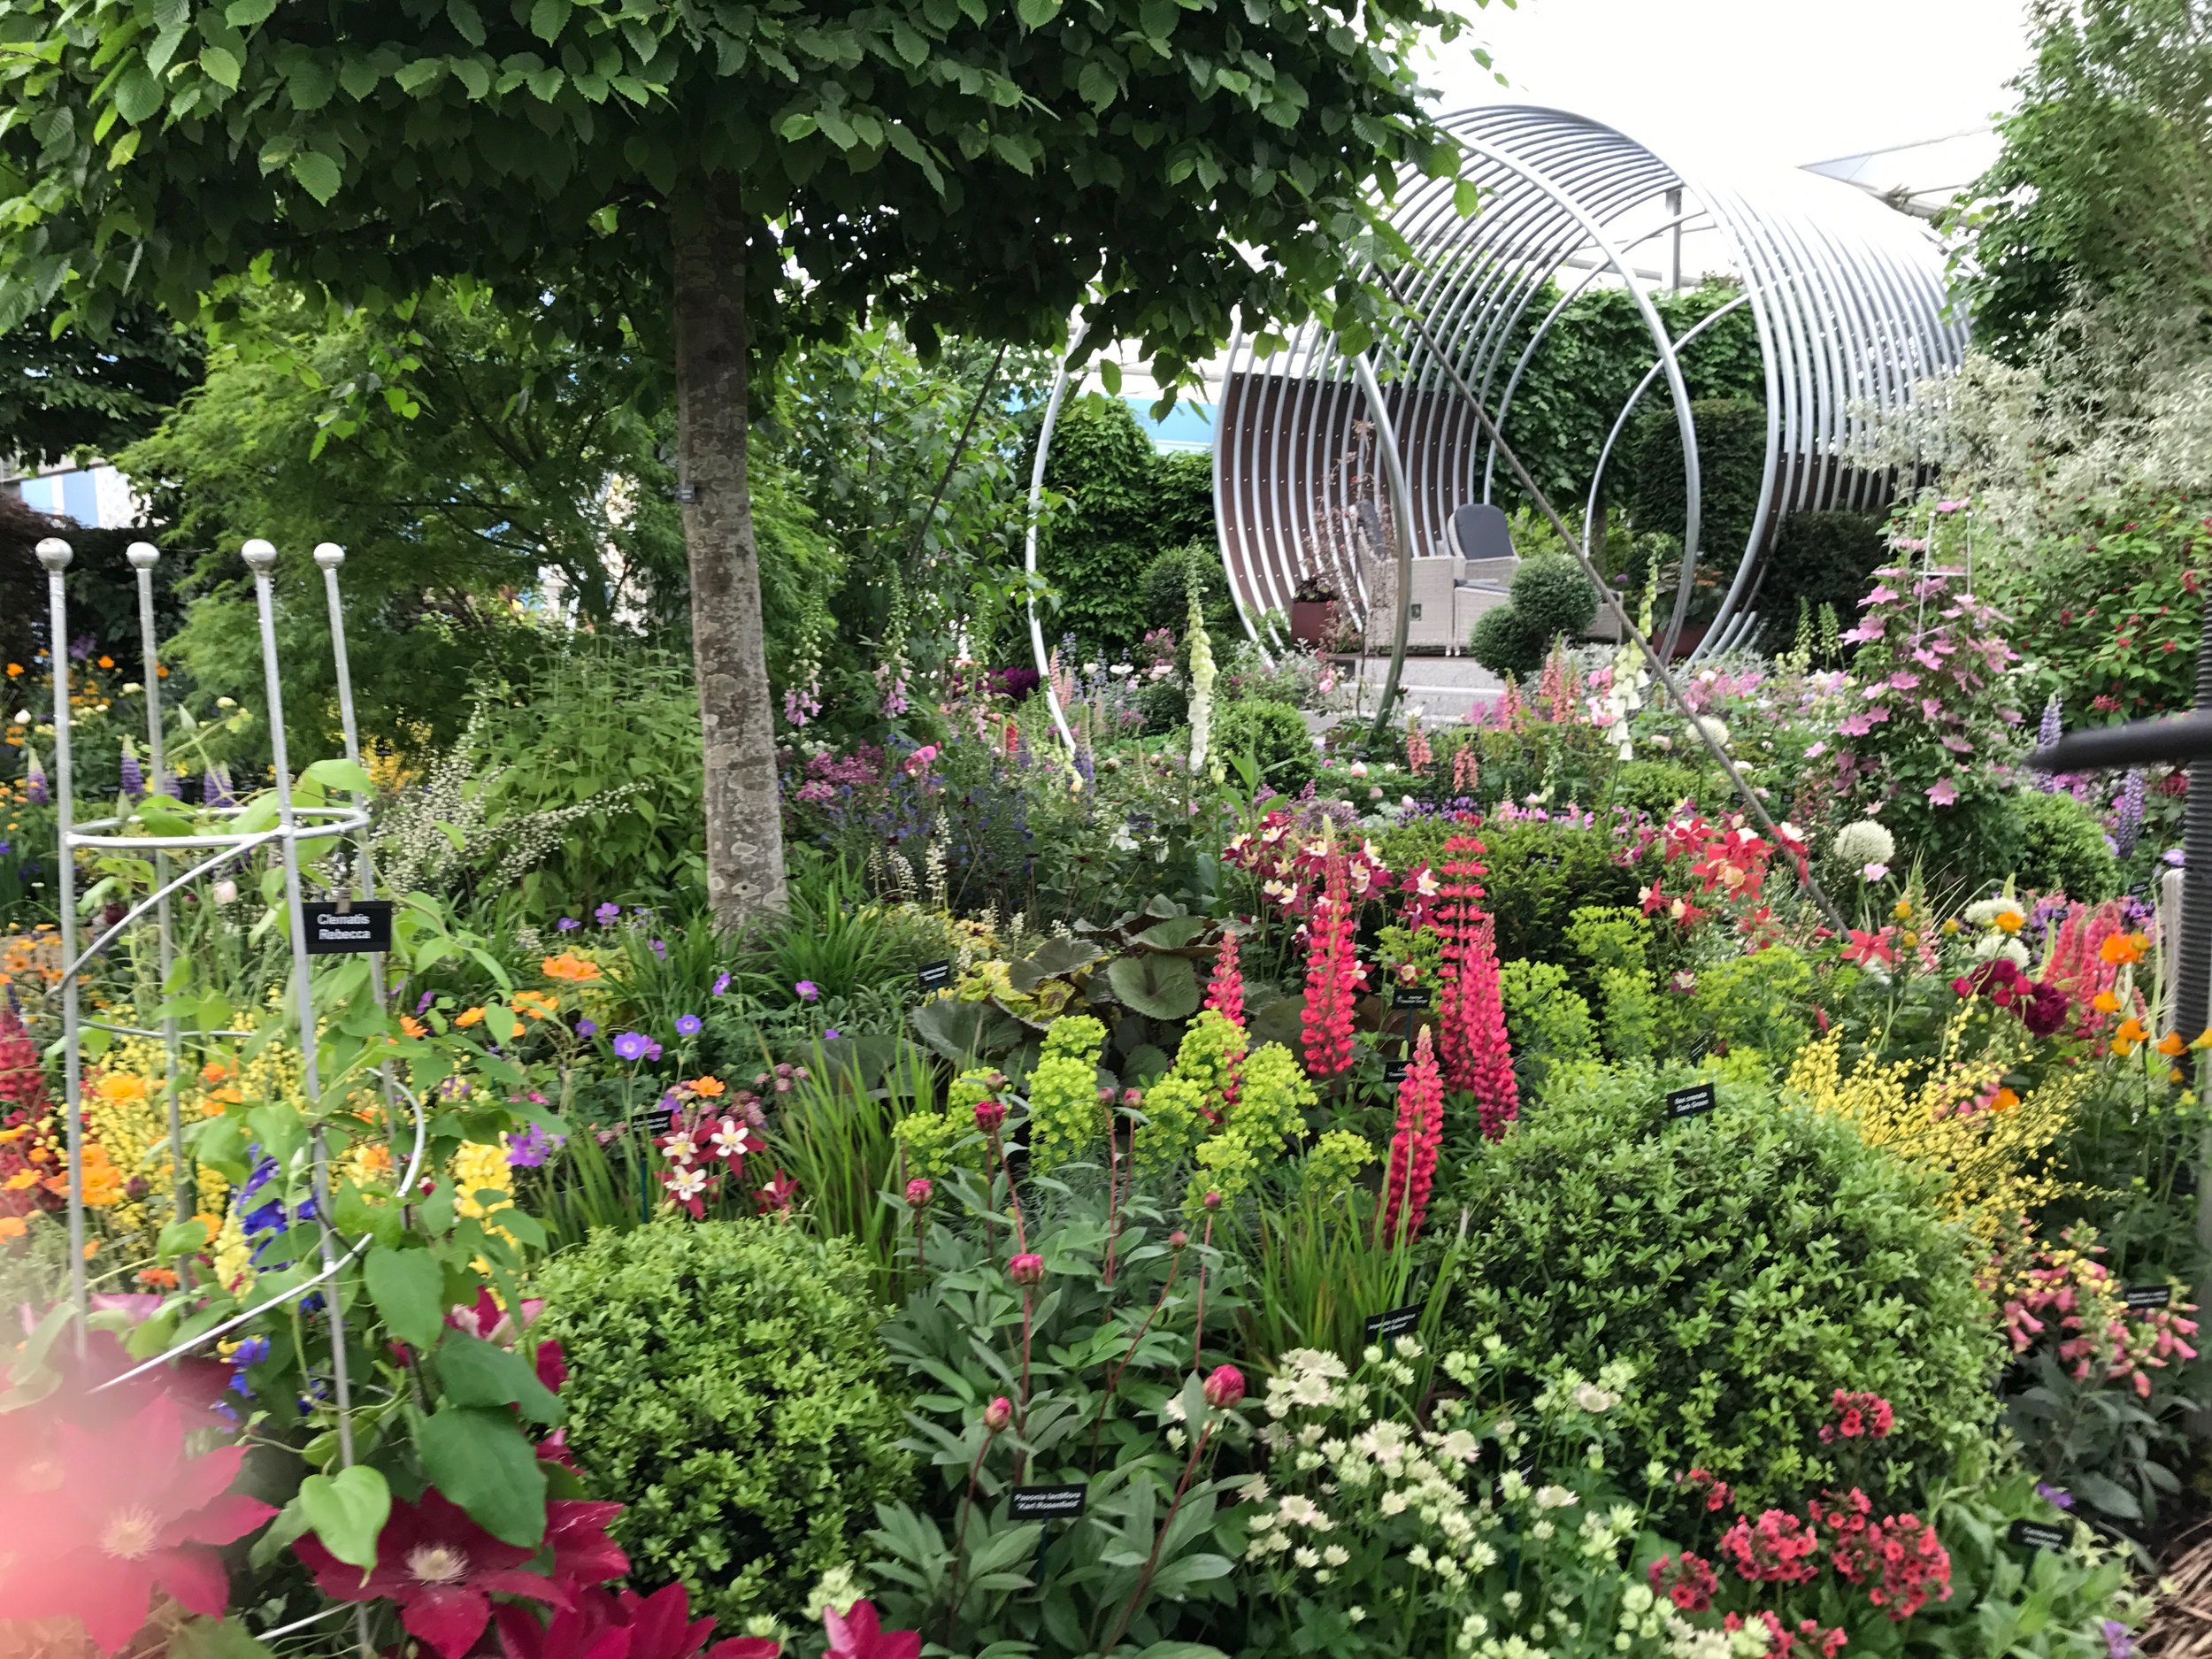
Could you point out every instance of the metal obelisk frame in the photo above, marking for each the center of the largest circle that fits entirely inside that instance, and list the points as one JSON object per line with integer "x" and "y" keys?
{"x": 203, "y": 856}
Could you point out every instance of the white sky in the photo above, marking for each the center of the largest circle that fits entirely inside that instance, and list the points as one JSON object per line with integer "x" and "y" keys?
{"x": 1800, "y": 81}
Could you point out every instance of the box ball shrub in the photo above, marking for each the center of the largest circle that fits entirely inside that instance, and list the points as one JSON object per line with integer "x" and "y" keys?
{"x": 1273, "y": 736}
{"x": 725, "y": 1382}
{"x": 1502, "y": 641}
{"x": 2062, "y": 848}
{"x": 1749, "y": 1262}
{"x": 1553, "y": 597}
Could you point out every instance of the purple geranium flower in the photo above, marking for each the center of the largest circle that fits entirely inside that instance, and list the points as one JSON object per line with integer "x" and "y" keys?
{"x": 660, "y": 950}
{"x": 631, "y": 1046}
{"x": 606, "y": 913}
{"x": 807, "y": 990}
{"x": 587, "y": 1027}
{"x": 568, "y": 924}
{"x": 832, "y": 1034}
{"x": 529, "y": 1150}
{"x": 687, "y": 1025}
{"x": 2058, "y": 1495}
{"x": 721, "y": 983}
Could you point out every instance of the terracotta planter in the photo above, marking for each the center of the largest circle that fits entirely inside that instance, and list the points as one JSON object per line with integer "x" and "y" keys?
{"x": 1310, "y": 621}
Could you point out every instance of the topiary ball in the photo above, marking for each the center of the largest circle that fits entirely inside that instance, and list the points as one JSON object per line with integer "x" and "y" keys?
{"x": 725, "y": 1382}
{"x": 1553, "y": 596}
{"x": 1749, "y": 1262}
{"x": 1502, "y": 642}
{"x": 1273, "y": 736}
{"x": 2062, "y": 848}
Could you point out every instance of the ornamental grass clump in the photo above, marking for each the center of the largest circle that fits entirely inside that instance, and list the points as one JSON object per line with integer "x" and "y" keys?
{"x": 1752, "y": 1261}
{"x": 726, "y": 1380}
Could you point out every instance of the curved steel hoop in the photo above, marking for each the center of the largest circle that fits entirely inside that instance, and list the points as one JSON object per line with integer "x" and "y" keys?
{"x": 1847, "y": 298}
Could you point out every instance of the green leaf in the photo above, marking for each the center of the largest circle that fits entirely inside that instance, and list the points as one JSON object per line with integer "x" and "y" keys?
{"x": 482, "y": 1461}
{"x": 338, "y": 772}
{"x": 215, "y": 1639}
{"x": 1466, "y": 198}
{"x": 1160, "y": 988}
{"x": 221, "y": 1146}
{"x": 1036, "y": 13}
{"x": 348, "y": 1510}
{"x": 1055, "y": 959}
{"x": 1109, "y": 372}
{"x": 309, "y": 80}
{"x": 965, "y": 1031}
{"x": 221, "y": 66}
{"x": 475, "y": 1372}
{"x": 137, "y": 95}
{"x": 1173, "y": 934}
{"x": 245, "y": 14}
{"x": 466, "y": 21}
{"x": 319, "y": 176}
{"x": 548, "y": 17}
{"x": 792, "y": 128}
{"x": 2107, "y": 1494}
{"x": 408, "y": 1287}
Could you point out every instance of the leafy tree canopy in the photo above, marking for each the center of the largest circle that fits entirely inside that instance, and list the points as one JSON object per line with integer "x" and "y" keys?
{"x": 63, "y": 393}
{"x": 980, "y": 167}
{"x": 2103, "y": 189}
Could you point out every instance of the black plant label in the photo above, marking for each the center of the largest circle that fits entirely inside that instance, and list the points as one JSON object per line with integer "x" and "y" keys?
{"x": 343, "y": 927}
{"x": 1409, "y": 997}
{"x": 1047, "y": 1503}
{"x": 2148, "y": 1295}
{"x": 1397, "y": 1322}
{"x": 930, "y": 975}
{"x": 2040, "y": 1535}
{"x": 1693, "y": 1101}
{"x": 1394, "y": 1071}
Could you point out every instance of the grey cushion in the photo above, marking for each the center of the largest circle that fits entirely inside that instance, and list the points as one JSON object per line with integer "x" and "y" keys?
{"x": 1480, "y": 530}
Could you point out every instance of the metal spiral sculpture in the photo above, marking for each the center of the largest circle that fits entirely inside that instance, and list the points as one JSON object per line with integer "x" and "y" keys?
{"x": 1847, "y": 297}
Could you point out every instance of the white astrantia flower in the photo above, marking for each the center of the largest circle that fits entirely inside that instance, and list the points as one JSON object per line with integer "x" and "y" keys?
{"x": 1336, "y": 1555}
{"x": 1595, "y": 1399}
{"x": 1294, "y": 1510}
{"x": 1554, "y": 1498}
{"x": 1253, "y": 1490}
{"x": 1307, "y": 1557}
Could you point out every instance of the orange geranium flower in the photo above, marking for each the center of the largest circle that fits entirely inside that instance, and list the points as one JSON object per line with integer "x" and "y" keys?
{"x": 567, "y": 965}
{"x": 2123, "y": 947}
{"x": 468, "y": 1017}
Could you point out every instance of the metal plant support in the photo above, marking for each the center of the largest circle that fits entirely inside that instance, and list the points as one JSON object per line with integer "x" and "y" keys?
{"x": 204, "y": 856}
{"x": 1847, "y": 295}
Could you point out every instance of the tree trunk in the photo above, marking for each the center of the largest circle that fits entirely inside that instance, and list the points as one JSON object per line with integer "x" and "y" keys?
{"x": 728, "y": 647}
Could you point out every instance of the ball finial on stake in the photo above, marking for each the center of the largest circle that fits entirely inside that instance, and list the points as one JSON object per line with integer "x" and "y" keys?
{"x": 143, "y": 555}
{"x": 53, "y": 553}
{"x": 259, "y": 554}
{"x": 329, "y": 555}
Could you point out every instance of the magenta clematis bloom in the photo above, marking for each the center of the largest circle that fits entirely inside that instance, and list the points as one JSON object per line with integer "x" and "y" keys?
{"x": 439, "y": 1567}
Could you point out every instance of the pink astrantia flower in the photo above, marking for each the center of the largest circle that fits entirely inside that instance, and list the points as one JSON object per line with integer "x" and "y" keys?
{"x": 1943, "y": 792}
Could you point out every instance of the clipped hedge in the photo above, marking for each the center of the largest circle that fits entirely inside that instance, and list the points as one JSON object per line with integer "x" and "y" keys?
{"x": 1749, "y": 1262}
{"x": 726, "y": 1382}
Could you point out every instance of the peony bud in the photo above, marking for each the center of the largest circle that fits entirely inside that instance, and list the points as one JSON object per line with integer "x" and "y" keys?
{"x": 1026, "y": 1269}
{"x": 1212, "y": 1201}
{"x": 998, "y": 1413}
{"x": 989, "y": 1114}
{"x": 918, "y": 1191}
{"x": 1178, "y": 1239}
{"x": 1225, "y": 1387}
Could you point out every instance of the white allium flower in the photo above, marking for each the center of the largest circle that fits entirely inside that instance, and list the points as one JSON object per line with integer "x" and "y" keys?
{"x": 1864, "y": 842}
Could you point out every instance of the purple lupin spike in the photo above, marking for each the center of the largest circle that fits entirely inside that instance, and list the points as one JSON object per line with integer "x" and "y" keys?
{"x": 215, "y": 788}
{"x": 2128, "y": 826}
{"x": 133, "y": 775}
{"x": 34, "y": 779}
{"x": 2046, "y": 732}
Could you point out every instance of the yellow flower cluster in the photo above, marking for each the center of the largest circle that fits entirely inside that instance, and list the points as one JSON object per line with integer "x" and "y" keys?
{"x": 478, "y": 1167}
{"x": 1950, "y": 1117}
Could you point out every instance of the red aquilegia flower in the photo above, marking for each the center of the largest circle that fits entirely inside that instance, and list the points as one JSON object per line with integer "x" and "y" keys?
{"x": 439, "y": 1568}
{"x": 102, "y": 1519}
